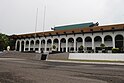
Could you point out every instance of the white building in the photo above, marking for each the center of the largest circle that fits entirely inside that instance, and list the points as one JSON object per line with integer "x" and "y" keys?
{"x": 71, "y": 37}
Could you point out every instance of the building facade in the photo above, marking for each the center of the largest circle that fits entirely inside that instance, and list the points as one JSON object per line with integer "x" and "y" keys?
{"x": 112, "y": 36}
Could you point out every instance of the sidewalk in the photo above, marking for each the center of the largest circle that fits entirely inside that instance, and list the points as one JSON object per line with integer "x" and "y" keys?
{"x": 68, "y": 61}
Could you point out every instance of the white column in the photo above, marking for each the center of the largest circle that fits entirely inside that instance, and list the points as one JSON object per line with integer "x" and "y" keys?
{"x": 102, "y": 40}
{"x": 113, "y": 38}
{"x": 45, "y": 45}
{"x": 16, "y": 45}
{"x": 51, "y": 44}
{"x": 34, "y": 45}
{"x": 93, "y": 43}
{"x": 83, "y": 43}
{"x": 39, "y": 49}
{"x": 66, "y": 45}
{"x": 29, "y": 45}
{"x": 20, "y": 48}
{"x": 59, "y": 45}
{"x": 24, "y": 44}
{"x": 74, "y": 44}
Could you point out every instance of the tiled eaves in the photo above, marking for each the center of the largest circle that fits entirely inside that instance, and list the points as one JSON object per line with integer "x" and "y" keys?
{"x": 107, "y": 28}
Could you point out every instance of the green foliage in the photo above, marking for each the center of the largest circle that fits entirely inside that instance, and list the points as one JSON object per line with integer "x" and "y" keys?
{"x": 115, "y": 50}
{"x": 81, "y": 49}
{"x": 102, "y": 45}
{"x": 12, "y": 44}
{"x": 4, "y": 41}
{"x": 54, "y": 47}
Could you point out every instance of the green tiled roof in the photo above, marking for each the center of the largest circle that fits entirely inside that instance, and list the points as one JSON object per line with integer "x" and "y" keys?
{"x": 82, "y": 25}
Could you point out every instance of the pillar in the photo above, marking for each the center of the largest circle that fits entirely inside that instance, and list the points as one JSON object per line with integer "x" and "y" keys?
{"x": 51, "y": 44}
{"x": 39, "y": 49}
{"x": 45, "y": 45}
{"x": 29, "y": 45}
{"x": 83, "y": 42}
{"x": 16, "y": 45}
{"x": 102, "y": 40}
{"x": 34, "y": 44}
{"x": 66, "y": 45}
{"x": 20, "y": 48}
{"x": 113, "y": 38}
{"x": 74, "y": 44}
{"x": 93, "y": 43}
{"x": 24, "y": 44}
{"x": 59, "y": 45}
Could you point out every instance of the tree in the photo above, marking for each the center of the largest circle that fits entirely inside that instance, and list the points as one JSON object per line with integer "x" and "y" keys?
{"x": 4, "y": 41}
{"x": 12, "y": 43}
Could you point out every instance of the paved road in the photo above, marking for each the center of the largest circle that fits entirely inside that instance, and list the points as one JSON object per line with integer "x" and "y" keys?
{"x": 30, "y": 71}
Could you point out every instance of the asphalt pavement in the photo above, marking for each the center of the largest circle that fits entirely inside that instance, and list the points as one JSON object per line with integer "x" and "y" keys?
{"x": 13, "y": 70}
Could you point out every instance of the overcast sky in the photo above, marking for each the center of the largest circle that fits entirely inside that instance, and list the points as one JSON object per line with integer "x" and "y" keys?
{"x": 18, "y": 16}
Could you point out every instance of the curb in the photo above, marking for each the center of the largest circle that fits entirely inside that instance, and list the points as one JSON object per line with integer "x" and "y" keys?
{"x": 107, "y": 63}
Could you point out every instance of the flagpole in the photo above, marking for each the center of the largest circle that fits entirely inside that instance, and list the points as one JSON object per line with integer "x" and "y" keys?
{"x": 44, "y": 17}
{"x": 36, "y": 22}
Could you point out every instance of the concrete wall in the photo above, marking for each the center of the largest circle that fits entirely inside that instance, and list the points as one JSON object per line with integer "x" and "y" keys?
{"x": 32, "y": 56}
{"x": 97, "y": 56}
{"x": 58, "y": 56}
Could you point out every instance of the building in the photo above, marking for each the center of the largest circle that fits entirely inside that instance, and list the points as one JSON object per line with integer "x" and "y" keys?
{"x": 70, "y": 37}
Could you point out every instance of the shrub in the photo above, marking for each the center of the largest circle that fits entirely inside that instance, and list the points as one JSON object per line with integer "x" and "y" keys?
{"x": 81, "y": 49}
{"x": 54, "y": 47}
{"x": 102, "y": 45}
{"x": 115, "y": 50}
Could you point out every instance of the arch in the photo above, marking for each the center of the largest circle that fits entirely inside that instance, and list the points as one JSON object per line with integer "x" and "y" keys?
{"x": 63, "y": 45}
{"x": 56, "y": 43}
{"x": 42, "y": 45}
{"x": 43, "y": 41}
{"x": 27, "y": 42}
{"x": 88, "y": 43}
{"x": 108, "y": 42}
{"x": 32, "y": 45}
{"x": 79, "y": 41}
{"x": 55, "y": 40}
{"x": 88, "y": 39}
{"x": 97, "y": 43}
{"x": 49, "y": 42}
{"x": 27, "y": 45}
{"x": 22, "y": 46}
{"x": 97, "y": 39}
{"x": 63, "y": 40}
{"x": 70, "y": 44}
{"x": 119, "y": 41}
{"x": 32, "y": 42}
{"x": 107, "y": 38}
{"x": 37, "y": 42}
